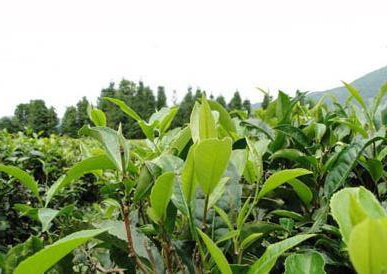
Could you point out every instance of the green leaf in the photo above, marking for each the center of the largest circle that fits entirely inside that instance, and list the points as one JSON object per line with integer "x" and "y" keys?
{"x": 249, "y": 240}
{"x": 181, "y": 140}
{"x": 97, "y": 116}
{"x": 26, "y": 179}
{"x": 20, "y": 252}
{"x": 378, "y": 98}
{"x": 211, "y": 157}
{"x": 367, "y": 246}
{"x": 306, "y": 263}
{"x": 166, "y": 120}
{"x": 86, "y": 166}
{"x": 148, "y": 173}
{"x": 124, "y": 107}
{"x": 343, "y": 165}
{"x": 302, "y": 190}
{"x": 375, "y": 169}
{"x": 43, "y": 260}
{"x": 266, "y": 262}
{"x": 216, "y": 253}
{"x": 224, "y": 117}
{"x": 289, "y": 214}
{"x": 295, "y": 133}
{"x": 224, "y": 217}
{"x": 188, "y": 181}
{"x": 287, "y": 153}
{"x": 207, "y": 128}
{"x": 161, "y": 195}
{"x": 356, "y": 94}
{"x": 46, "y": 215}
{"x": 280, "y": 178}
{"x": 111, "y": 142}
{"x": 354, "y": 202}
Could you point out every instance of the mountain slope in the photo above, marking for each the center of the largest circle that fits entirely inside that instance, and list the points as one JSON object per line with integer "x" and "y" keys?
{"x": 368, "y": 85}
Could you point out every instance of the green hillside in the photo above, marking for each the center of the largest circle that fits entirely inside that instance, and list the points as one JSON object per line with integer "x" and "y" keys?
{"x": 368, "y": 85}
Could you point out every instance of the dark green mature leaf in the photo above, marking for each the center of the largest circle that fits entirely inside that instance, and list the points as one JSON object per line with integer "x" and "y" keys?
{"x": 86, "y": 166}
{"x": 26, "y": 179}
{"x": 20, "y": 252}
{"x": 295, "y": 133}
{"x": 44, "y": 259}
{"x": 280, "y": 178}
{"x": 307, "y": 263}
{"x": 266, "y": 262}
{"x": 344, "y": 164}
{"x": 302, "y": 190}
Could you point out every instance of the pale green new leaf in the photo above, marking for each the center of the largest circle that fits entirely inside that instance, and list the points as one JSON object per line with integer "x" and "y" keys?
{"x": 161, "y": 195}
{"x": 266, "y": 262}
{"x": 280, "y": 178}
{"x": 367, "y": 246}
{"x": 216, "y": 253}
{"x": 249, "y": 240}
{"x": 207, "y": 129}
{"x": 97, "y": 116}
{"x": 211, "y": 157}
{"x": 306, "y": 263}
{"x": 110, "y": 140}
{"x": 46, "y": 215}
{"x": 26, "y": 179}
{"x": 350, "y": 206}
{"x": 188, "y": 182}
{"x": 43, "y": 260}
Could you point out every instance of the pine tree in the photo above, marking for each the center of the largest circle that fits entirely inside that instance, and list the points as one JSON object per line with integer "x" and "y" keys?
{"x": 266, "y": 100}
{"x": 185, "y": 108}
{"x": 220, "y": 99}
{"x": 235, "y": 102}
{"x": 161, "y": 98}
{"x": 247, "y": 105}
{"x": 69, "y": 124}
{"x": 82, "y": 117}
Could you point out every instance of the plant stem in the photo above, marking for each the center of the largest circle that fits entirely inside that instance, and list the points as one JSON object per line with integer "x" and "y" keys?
{"x": 132, "y": 253}
{"x": 205, "y": 209}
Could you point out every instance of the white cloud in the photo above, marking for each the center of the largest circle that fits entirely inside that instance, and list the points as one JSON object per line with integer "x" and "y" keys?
{"x": 62, "y": 50}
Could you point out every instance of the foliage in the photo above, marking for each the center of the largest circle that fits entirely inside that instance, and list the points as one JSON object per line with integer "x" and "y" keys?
{"x": 295, "y": 188}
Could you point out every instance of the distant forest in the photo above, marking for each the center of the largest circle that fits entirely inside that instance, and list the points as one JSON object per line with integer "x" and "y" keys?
{"x": 36, "y": 117}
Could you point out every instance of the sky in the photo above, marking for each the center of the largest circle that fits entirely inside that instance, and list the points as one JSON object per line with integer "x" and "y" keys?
{"x": 60, "y": 51}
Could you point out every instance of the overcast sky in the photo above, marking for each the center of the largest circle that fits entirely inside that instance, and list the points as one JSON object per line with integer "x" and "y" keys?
{"x": 60, "y": 51}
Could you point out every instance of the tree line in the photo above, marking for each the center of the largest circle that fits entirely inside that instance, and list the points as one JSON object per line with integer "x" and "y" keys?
{"x": 36, "y": 117}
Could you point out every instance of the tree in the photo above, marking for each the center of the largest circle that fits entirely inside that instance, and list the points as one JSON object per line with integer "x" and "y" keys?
{"x": 7, "y": 123}
{"x": 161, "y": 98}
{"x": 247, "y": 105}
{"x": 82, "y": 117}
{"x": 267, "y": 98}
{"x": 69, "y": 124}
{"x": 52, "y": 121}
{"x": 185, "y": 108}
{"x": 21, "y": 116}
{"x": 220, "y": 99}
{"x": 235, "y": 102}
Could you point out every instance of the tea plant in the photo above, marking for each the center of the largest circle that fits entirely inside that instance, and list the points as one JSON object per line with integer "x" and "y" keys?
{"x": 294, "y": 188}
